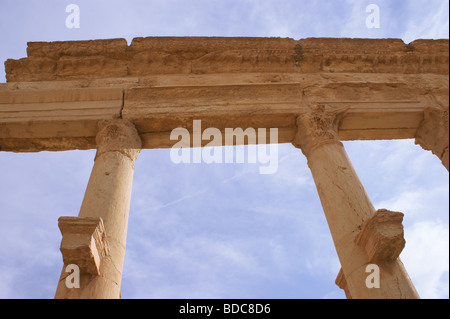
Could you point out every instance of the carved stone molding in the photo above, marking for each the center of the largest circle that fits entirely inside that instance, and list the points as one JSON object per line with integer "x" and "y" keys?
{"x": 433, "y": 133}
{"x": 69, "y": 60}
{"x": 84, "y": 242}
{"x": 118, "y": 136}
{"x": 382, "y": 236}
{"x": 318, "y": 126}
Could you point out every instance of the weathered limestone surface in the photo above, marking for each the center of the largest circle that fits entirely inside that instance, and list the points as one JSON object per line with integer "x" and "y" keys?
{"x": 382, "y": 236}
{"x": 107, "y": 198}
{"x": 433, "y": 134}
{"x": 54, "y": 97}
{"x": 204, "y": 55}
{"x": 84, "y": 242}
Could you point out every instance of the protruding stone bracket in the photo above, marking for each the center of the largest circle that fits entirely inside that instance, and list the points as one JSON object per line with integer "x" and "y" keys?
{"x": 318, "y": 126}
{"x": 84, "y": 242}
{"x": 433, "y": 132}
{"x": 342, "y": 283}
{"x": 382, "y": 236}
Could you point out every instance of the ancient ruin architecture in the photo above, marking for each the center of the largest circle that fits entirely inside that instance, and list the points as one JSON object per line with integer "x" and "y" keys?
{"x": 119, "y": 99}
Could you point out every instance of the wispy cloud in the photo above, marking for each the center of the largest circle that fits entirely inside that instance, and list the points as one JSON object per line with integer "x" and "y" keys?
{"x": 429, "y": 21}
{"x": 407, "y": 20}
{"x": 427, "y": 258}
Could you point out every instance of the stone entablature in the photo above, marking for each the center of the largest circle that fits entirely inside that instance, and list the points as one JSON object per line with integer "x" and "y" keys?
{"x": 55, "y": 97}
{"x": 206, "y": 55}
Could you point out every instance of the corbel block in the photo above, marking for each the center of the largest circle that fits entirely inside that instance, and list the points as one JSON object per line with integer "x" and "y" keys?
{"x": 382, "y": 236}
{"x": 84, "y": 242}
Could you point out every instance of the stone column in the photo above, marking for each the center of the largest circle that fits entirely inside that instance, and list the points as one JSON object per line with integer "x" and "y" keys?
{"x": 361, "y": 237}
{"x": 95, "y": 240}
{"x": 432, "y": 134}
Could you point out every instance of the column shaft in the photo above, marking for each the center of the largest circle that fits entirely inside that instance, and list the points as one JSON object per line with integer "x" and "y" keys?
{"x": 108, "y": 197}
{"x": 346, "y": 205}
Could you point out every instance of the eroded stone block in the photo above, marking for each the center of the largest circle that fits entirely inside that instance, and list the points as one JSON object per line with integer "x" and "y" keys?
{"x": 84, "y": 242}
{"x": 382, "y": 236}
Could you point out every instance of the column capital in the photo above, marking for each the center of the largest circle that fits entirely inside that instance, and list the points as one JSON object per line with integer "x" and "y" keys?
{"x": 118, "y": 135}
{"x": 432, "y": 134}
{"x": 318, "y": 126}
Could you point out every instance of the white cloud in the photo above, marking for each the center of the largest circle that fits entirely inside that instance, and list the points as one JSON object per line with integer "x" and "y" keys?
{"x": 418, "y": 204}
{"x": 407, "y": 20}
{"x": 428, "y": 24}
{"x": 426, "y": 257}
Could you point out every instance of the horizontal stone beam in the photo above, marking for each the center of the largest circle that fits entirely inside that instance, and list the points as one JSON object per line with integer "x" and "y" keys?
{"x": 36, "y": 117}
{"x": 55, "y": 119}
{"x": 56, "y": 96}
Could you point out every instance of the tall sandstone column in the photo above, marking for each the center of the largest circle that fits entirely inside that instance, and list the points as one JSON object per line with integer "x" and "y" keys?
{"x": 361, "y": 235}
{"x": 95, "y": 240}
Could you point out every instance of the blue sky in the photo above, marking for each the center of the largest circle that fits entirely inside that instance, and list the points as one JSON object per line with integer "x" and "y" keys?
{"x": 220, "y": 230}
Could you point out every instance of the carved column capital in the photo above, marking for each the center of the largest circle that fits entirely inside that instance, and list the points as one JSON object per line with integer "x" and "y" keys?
{"x": 118, "y": 136}
{"x": 318, "y": 126}
{"x": 433, "y": 132}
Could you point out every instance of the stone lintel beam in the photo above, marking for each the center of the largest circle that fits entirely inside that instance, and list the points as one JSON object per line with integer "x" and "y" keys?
{"x": 382, "y": 236}
{"x": 55, "y": 96}
{"x": 63, "y": 115}
{"x": 84, "y": 242}
{"x": 55, "y": 119}
{"x": 433, "y": 133}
